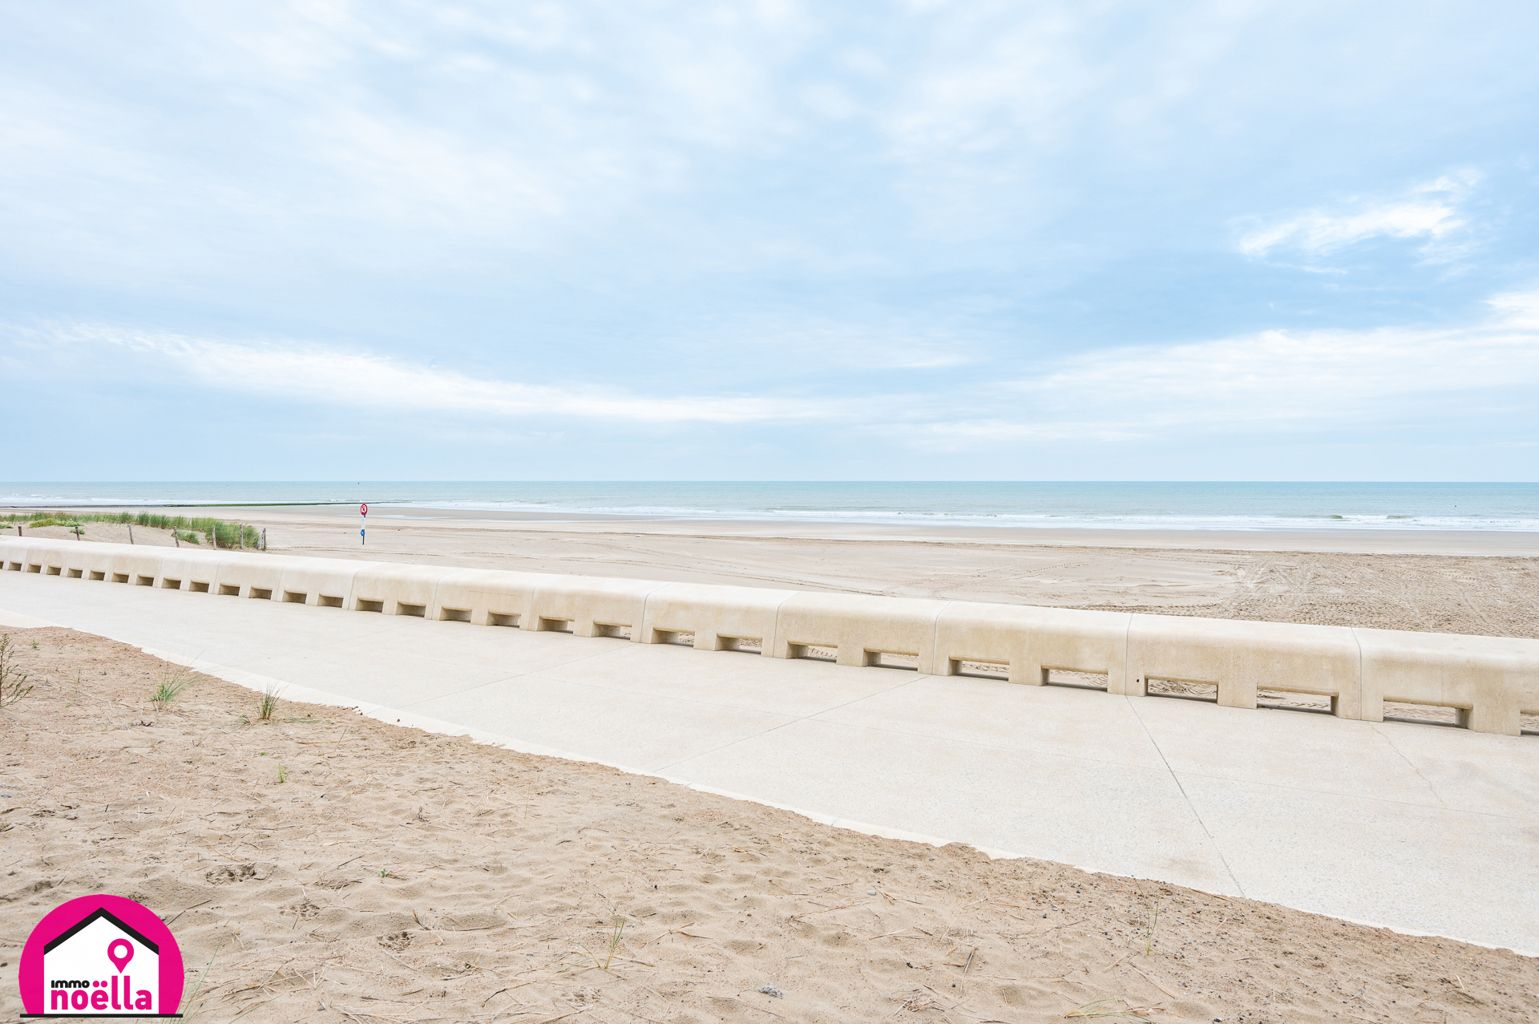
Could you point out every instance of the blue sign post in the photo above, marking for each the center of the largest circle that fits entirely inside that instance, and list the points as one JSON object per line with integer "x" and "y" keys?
{"x": 363, "y": 537}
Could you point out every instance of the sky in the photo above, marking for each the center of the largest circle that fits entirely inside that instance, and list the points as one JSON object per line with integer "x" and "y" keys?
{"x": 779, "y": 240}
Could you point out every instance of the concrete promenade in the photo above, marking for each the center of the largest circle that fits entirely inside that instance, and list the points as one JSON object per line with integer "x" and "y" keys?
{"x": 1416, "y": 827}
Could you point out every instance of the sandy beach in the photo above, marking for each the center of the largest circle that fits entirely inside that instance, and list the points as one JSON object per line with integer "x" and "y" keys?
{"x": 325, "y": 866}
{"x": 1457, "y": 582}
{"x": 774, "y": 512}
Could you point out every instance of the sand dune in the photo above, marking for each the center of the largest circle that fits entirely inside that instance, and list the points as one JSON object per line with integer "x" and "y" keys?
{"x": 328, "y": 867}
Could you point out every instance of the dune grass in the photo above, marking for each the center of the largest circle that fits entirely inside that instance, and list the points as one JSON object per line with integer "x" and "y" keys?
{"x": 168, "y": 690}
{"x": 13, "y": 681}
{"x": 267, "y": 705}
{"x": 52, "y": 520}
{"x": 188, "y": 529}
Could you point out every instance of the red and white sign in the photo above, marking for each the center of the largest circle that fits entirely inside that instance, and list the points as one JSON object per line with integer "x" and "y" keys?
{"x": 363, "y": 509}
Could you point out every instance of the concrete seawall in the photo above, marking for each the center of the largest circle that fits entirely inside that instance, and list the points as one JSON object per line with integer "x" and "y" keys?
{"x": 1486, "y": 684}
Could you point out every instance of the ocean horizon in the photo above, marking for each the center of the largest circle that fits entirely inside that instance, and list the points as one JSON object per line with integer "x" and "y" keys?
{"x": 1133, "y": 505}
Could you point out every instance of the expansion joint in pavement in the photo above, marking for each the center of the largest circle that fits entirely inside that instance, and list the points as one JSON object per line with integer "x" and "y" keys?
{"x": 1187, "y": 797}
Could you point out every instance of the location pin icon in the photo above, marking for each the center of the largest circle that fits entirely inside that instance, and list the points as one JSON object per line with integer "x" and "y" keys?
{"x": 120, "y": 951}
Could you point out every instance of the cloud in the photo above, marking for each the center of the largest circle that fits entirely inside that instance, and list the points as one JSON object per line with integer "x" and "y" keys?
{"x": 974, "y": 120}
{"x": 1517, "y": 309}
{"x": 1259, "y": 384}
{"x": 1430, "y": 212}
{"x": 974, "y": 433}
{"x": 441, "y": 138}
{"x": 1383, "y": 381}
{"x": 322, "y": 374}
{"x": 797, "y": 344}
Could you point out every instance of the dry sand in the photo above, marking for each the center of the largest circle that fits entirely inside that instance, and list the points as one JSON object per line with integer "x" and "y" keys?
{"x": 1484, "y": 583}
{"x": 328, "y": 867}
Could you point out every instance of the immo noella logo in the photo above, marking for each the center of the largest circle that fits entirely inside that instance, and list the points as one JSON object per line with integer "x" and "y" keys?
{"x": 101, "y": 956}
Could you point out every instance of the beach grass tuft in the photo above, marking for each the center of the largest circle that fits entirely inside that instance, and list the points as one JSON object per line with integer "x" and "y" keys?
{"x": 13, "y": 681}
{"x": 612, "y": 944}
{"x": 1154, "y": 921}
{"x": 68, "y": 523}
{"x": 168, "y": 690}
{"x": 268, "y": 704}
{"x": 1113, "y": 1009}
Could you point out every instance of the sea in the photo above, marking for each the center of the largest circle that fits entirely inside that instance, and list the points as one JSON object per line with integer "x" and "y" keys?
{"x": 1096, "y": 505}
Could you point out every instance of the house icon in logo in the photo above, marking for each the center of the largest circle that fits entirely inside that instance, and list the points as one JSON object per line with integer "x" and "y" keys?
{"x": 101, "y": 966}
{"x": 101, "y": 956}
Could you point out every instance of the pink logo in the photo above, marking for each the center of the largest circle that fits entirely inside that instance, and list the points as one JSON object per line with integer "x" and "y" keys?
{"x": 101, "y": 956}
